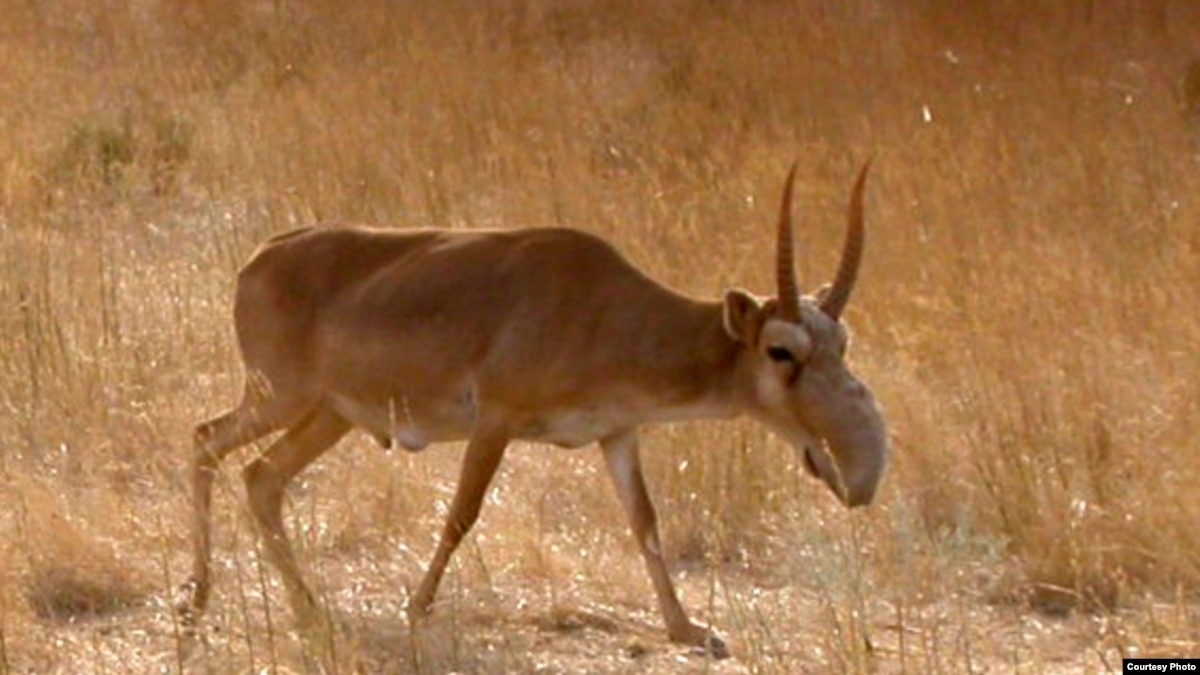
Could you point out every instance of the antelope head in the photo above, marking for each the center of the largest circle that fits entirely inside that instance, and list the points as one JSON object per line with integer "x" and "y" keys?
{"x": 794, "y": 365}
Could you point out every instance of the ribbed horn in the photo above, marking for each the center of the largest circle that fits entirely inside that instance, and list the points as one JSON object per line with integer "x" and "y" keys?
{"x": 835, "y": 300}
{"x": 785, "y": 263}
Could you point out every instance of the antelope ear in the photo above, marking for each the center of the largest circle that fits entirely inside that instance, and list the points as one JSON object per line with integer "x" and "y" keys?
{"x": 743, "y": 316}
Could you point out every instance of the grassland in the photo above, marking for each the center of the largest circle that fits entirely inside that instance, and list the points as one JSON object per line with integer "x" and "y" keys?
{"x": 1026, "y": 315}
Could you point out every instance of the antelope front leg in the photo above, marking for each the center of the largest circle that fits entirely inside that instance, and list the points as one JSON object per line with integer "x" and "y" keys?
{"x": 484, "y": 452}
{"x": 625, "y": 467}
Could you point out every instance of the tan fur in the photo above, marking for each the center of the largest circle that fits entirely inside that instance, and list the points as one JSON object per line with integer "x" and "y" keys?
{"x": 425, "y": 336}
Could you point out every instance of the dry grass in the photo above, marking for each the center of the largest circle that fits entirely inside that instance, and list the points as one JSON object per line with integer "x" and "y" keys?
{"x": 1023, "y": 317}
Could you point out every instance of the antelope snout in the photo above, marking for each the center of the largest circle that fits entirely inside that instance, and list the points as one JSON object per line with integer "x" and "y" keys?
{"x": 861, "y": 493}
{"x": 853, "y": 462}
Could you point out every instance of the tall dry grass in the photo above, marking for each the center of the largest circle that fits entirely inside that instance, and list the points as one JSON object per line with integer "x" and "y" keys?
{"x": 1024, "y": 315}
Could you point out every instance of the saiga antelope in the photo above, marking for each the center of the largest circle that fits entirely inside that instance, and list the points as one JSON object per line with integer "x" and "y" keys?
{"x": 550, "y": 335}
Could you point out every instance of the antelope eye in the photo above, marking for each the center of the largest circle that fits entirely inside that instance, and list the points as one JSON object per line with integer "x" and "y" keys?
{"x": 780, "y": 355}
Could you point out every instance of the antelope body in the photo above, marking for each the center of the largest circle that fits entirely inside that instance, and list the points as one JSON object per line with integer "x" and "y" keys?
{"x": 425, "y": 336}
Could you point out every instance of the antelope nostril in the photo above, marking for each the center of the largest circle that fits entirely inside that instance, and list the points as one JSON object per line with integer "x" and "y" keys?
{"x": 810, "y": 465}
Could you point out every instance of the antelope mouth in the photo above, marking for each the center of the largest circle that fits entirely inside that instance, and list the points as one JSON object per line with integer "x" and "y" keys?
{"x": 820, "y": 465}
{"x": 817, "y": 460}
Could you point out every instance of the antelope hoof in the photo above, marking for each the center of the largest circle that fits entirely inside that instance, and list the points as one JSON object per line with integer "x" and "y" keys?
{"x": 704, "y": 640}
{"x": 305, "y": 608}
{"x": 419, "y": 608}
{"x": 308, "y": 620}
{"x": 189, "y": 603}
{"x": 715, "y": 647}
